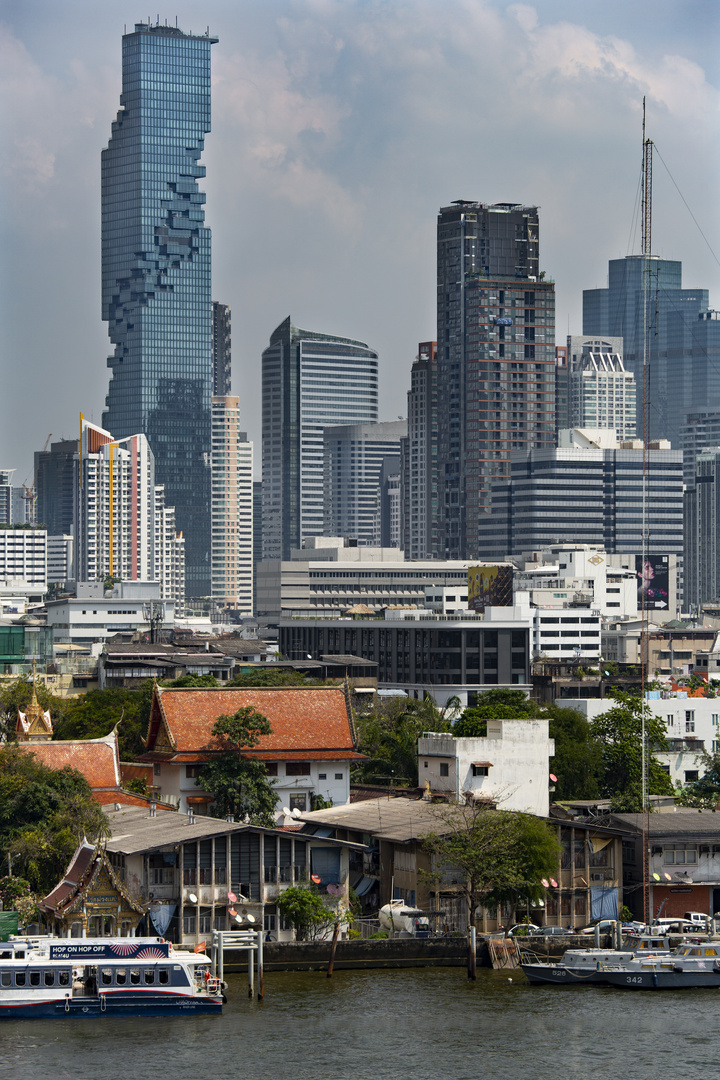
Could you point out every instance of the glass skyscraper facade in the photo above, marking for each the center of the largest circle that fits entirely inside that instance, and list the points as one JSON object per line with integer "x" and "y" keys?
{"x": 310, "y": 381}
{"x": 156, "y": 272}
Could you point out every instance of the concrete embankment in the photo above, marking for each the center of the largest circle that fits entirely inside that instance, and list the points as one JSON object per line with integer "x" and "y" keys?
{"x": 390, "y": 953}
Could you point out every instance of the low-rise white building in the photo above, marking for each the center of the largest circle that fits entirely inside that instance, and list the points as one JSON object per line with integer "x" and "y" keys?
{"x": 579, "y": 575}
{"x": 692, "y": 725}
{"x": 23, "y": 558}
{"x": 509, "y": 766}
{"x": 96, "y": 614}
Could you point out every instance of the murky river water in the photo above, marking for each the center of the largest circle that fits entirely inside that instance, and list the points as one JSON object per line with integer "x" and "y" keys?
{"x": 383, "y": 1025}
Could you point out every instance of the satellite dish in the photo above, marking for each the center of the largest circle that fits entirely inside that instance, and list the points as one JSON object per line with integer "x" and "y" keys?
{"x": 553, "y": 882}
{"x": 545, "y": 883}
{"x": 250, "y": 918}
{"x": 317, "y": 879}
{"x": 238, "y": 918}
{"x": 232, "y": 897}
{"x": 296, "y": 812}
{"x": 192, "y": 898}
{"x": 656, "y": 877}
{"x": 553, "y": 777}
{"x": 668, "y": 878}
{"x": 287, "y": 811}
{"x": 232, "y": 911}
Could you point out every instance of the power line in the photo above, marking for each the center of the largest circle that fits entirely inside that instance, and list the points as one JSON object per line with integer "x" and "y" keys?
{"x": 688, "y": 208}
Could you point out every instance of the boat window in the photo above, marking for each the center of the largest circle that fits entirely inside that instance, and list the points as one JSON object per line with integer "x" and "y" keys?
{"x": 120, "y": 976}
{"x": 5, "y": 978}
{"x": 63, "y": 978}
{"x": 19, "y": 978}
{"x": 49, "y": 978}
{"x": 163, "y": 975}
{"x": 106, "y": 976}
{"x": 149, "y": 976}
{"x": 711, "y": 952}
{"x": 34, "y": 978}
{"x": 134, "y": 976}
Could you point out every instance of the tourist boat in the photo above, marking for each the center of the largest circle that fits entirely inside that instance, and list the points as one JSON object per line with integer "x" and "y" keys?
{"x": 48, "y": 976}
{"x": 696, "y": 965}
{"x": 592, "y": 965}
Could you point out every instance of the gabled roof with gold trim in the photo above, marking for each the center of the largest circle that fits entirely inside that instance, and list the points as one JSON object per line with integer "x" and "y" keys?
{"x": 87, "y": 864}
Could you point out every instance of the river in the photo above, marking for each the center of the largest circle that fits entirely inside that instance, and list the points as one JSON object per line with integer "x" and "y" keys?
{"x": 423, "y": 1024}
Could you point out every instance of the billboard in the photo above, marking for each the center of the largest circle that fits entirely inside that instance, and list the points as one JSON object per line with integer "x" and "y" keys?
{"x": 490, "y": 586}
{"x": 653, "y": 582}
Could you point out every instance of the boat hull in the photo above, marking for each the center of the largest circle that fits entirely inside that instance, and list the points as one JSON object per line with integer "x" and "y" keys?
{"x": 125, "y": 1004}
{"x": 664, "y": 980}
{"x": 557, "y": 975}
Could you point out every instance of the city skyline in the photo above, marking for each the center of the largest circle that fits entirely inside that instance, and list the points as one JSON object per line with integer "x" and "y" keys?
{"x": 331, "y": 139}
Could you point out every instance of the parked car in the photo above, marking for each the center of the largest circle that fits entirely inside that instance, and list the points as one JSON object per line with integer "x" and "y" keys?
{"x": 551, "y": 931}
{"x": 605, "y": 925}
{"x": 523, "y": 929}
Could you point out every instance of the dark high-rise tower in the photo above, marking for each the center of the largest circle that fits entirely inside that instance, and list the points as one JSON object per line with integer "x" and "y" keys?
{"x": 221, "y": 356}
{"x": 156, "y": 289}
{"x": 495, "y": 359}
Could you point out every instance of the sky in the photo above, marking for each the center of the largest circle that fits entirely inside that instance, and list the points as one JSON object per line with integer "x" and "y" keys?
{"x": 339, "y": 127}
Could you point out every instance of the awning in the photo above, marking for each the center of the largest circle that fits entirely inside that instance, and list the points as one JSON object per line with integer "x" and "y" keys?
{"x": 484, "y": 764}
{"x": 364, "y": 885}
{"x": 195, "y": 799}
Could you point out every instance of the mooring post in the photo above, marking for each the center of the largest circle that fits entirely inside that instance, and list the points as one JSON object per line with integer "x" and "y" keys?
{"x": 333, "y": 949}
{"x": 260, "y": 965}
{"x": 213, "y": 954}
{"x": 251, "y": 967}
{"x": 472, "y": 954}
{"x": 221, "y": 948}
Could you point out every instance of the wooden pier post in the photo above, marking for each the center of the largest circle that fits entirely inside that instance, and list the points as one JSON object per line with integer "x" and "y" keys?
{"x": 251, "y": 972}
{"x": 472, "y": 954}
{"x": 333, "y": 949}
{"x": 260, "y": 965}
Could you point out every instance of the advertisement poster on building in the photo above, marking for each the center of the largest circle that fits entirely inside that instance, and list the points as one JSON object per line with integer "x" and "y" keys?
{"x": 653, "y": 581}
{"x": 490, "y": 586}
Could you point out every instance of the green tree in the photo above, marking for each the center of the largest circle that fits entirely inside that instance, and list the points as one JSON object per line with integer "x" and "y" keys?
{"x": 703, "y": 793}
{"x": 619, "y": 733}
{"x": 239, "y": 785}
{"x": 497, "y": 704}
{"x": 44, "y": 813}
{"x": 497, "y": 857}
{"x": 310, "y": 916}
{"x": 388, "y": 734}
{"x": 95, "y": 714}
{"x": 577, "y": 761}
{"x": 16, "y": 895}
{"x": 271, "y": 675}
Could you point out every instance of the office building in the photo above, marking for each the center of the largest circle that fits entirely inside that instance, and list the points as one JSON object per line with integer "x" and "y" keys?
{"x": 232, "y": 508}
{"x": 700, "y": 431}
{"x": 678, "y": 338}
{"x": 702, "y": 531}
{"x": 601, "y": 393}
{"x": 496, "y": 359}
{"x": 353, "y": 457}
{"x": 97, "y": 613}
{"x": 562, "y": 389}
{"x": 16, "y": 503}
{"x": 221, "y": 356}
{"x": 156, "y": 294}
{"x": 310, "y": 381}
{"x": 60, "y": 559}
{"x": 588, "y": 491}
{"x": 388, "y": 514}
{"x": 329, "y": 576}
{"x": 54, "y": 486}
{"x": 418, "y": 458}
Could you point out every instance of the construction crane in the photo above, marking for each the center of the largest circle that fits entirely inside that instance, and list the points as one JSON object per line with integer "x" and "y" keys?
{"x": 29, "y": 492}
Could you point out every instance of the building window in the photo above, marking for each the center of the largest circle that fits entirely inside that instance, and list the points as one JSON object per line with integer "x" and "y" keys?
{"x": 297, "y": 768}
{"x": 689, "y": 720}
{"x": 444, "y": 768}
{"x": 338, "y": 776}
{"x": 691, "y": 776}
{"x": 192, "y": 771}
{"x": 480, "y": 770}
{"x": 156, "y": 769}
{"x": 680, "y": 856}
{"x": 298, "y": 802}
{"x": 188, "y": 924}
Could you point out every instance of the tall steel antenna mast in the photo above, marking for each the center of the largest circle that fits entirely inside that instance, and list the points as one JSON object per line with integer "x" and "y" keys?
{"x": 646, "y": 257}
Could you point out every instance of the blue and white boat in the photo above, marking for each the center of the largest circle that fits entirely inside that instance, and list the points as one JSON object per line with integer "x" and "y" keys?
{"x": 63, "y": 977}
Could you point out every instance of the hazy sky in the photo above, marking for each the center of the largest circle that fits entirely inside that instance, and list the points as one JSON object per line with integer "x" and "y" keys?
{"x": 339, "y": 129}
